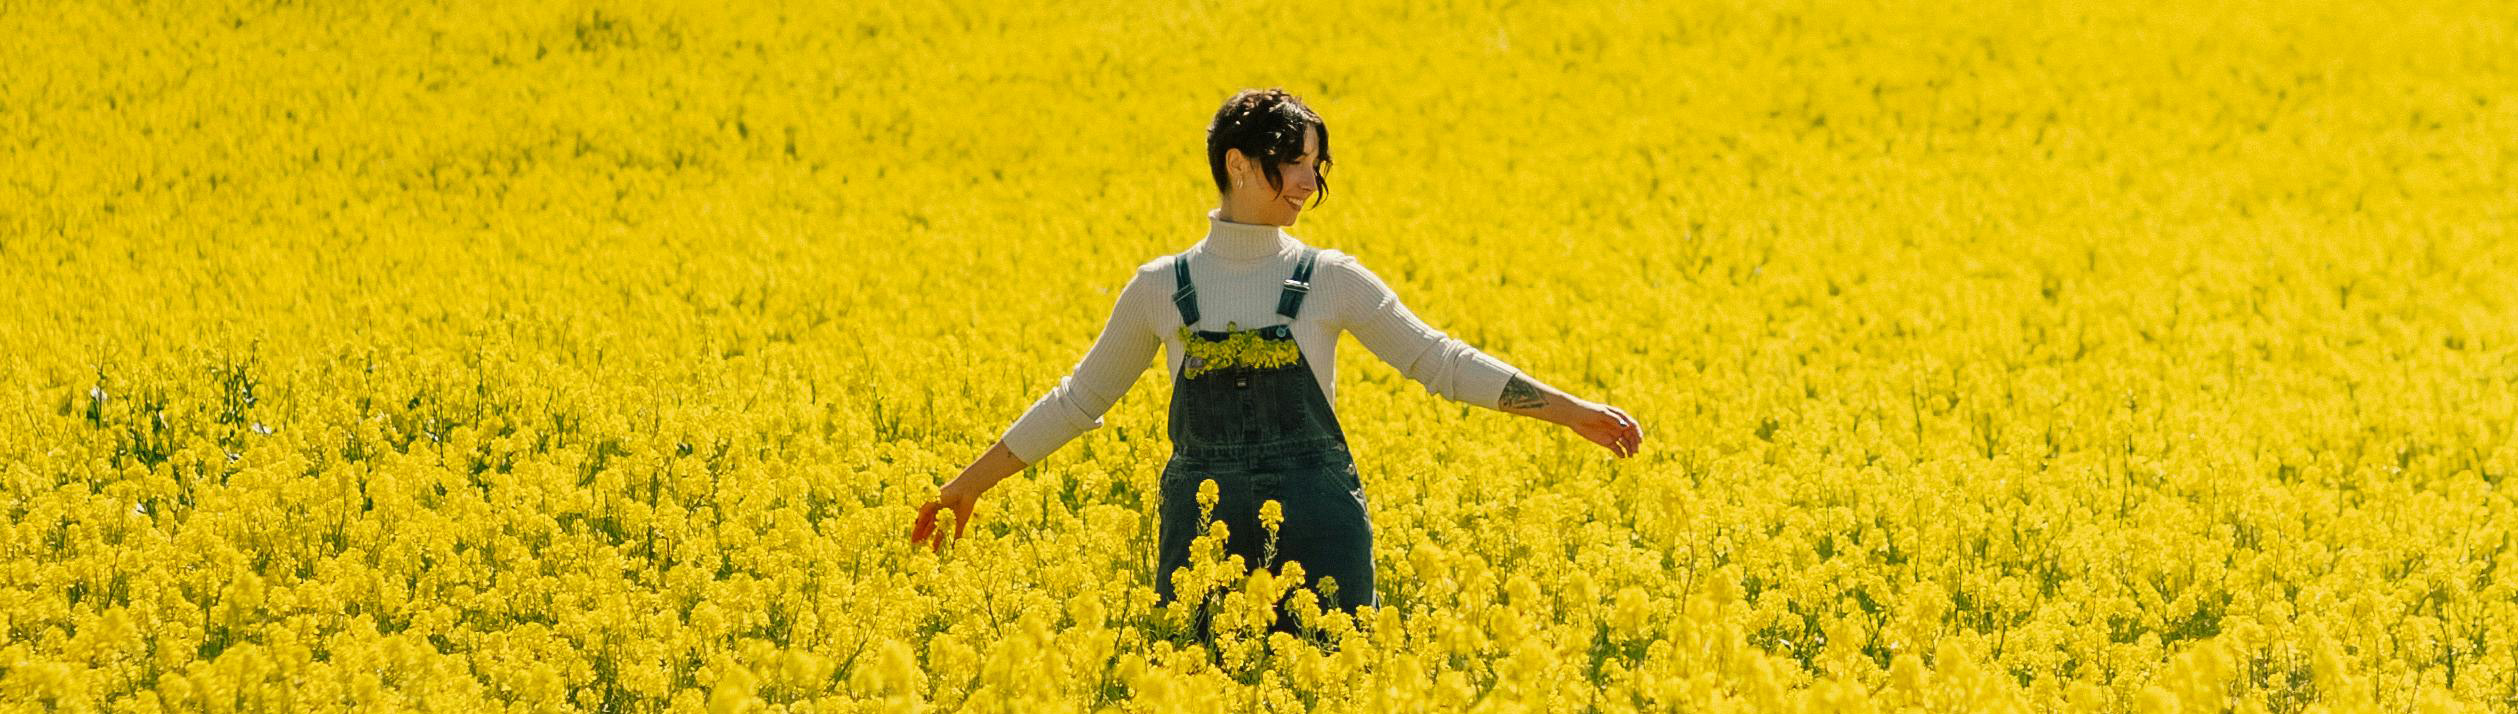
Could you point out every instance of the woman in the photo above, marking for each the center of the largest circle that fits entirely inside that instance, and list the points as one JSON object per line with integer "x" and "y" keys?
{"x": 1250, "y": 405}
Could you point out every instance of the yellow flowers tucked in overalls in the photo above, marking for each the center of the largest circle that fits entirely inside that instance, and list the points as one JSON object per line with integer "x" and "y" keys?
{"x": 1240, "y": 348}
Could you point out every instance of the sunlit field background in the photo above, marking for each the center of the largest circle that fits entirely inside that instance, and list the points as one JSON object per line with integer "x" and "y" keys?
{"x": 2038, "y": 356}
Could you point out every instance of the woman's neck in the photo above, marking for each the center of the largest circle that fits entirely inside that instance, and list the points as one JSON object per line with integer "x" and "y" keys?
{"x": 1234, "y": 240}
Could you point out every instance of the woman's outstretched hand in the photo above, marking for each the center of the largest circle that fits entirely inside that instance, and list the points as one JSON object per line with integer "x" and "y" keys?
{"x": 1605, "y": 425}
{"x": 961, "y": 495}
{"x": 955, "y": 497}
{"x": 1610, "y": 427}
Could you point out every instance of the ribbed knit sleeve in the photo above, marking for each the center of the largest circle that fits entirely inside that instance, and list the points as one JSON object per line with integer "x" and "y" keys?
{"x": 1125, "y": 348}
{"x": 1446, "y": 366}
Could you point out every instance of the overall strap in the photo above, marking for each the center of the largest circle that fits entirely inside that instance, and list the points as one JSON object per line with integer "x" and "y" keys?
{"x": 1291, "y": 301}
{"x": 1185, "y": 295}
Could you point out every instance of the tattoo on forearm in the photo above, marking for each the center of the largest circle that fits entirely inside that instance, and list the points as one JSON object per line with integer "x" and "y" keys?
{"x": 1518, "y": 394}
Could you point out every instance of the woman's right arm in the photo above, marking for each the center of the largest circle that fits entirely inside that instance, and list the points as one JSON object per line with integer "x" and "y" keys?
{"x": 1127, "y": 345}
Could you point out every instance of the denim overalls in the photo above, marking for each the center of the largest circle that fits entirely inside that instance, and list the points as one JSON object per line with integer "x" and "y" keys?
{"x": 1264, "y": 433}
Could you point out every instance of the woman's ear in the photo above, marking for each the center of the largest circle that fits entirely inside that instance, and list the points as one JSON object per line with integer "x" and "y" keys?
{"x": 1237, "y": 166}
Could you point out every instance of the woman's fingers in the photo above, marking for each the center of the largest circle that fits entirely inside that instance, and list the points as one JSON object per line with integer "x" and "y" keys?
{"x": 925, "y": 529}
{"x": 1628, "y": 434}
{"x": 1618, "y": 432}
{"x": 926, "y": 523}
{"x": 925, "y": 532}
{"x": 1614, "y": 436}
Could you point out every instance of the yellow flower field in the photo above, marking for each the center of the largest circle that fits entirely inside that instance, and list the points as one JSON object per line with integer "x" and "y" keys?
{"x": 2039, "y": 356}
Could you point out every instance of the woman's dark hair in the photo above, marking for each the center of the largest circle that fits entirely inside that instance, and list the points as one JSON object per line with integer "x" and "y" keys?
{"x": 1267, "y": 126}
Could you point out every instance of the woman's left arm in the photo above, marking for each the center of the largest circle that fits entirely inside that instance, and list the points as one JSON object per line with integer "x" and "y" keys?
{"x": 1448, "y": 367}
{"x": 1605, "y": 425}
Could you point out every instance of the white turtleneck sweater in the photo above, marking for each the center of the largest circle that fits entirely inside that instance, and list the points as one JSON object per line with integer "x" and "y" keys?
{"x": 1239, "y": 270}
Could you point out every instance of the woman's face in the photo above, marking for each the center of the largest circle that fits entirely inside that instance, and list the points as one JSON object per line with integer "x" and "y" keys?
{"x": 1252, "y": 200}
